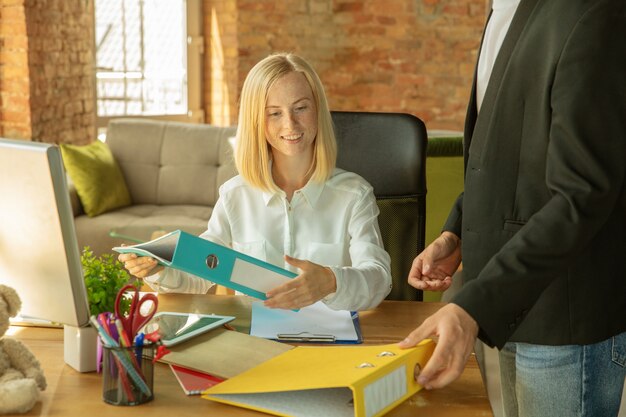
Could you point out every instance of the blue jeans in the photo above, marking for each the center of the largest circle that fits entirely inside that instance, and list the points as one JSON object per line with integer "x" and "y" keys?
{"x": 563, "y": 381}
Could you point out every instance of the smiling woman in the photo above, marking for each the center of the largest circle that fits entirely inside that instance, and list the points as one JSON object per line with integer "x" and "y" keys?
{"x": 289, "y": 205}
{"x": 282, "y": 89}
{"x": 290, "y": 129}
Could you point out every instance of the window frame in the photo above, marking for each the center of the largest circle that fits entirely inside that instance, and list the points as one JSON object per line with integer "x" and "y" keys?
{"x": 195, "y": 51}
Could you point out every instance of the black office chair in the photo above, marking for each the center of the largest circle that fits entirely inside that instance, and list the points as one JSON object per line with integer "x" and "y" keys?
{"x": 389, "y": 151}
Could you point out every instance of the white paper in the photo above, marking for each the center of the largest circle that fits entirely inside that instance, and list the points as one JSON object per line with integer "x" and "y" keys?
{"x": 335, "y": 402}
{"x": 316, "y": 319}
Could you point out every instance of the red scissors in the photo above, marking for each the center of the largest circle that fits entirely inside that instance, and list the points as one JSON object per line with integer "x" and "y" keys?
{"x": 136, "y": 317}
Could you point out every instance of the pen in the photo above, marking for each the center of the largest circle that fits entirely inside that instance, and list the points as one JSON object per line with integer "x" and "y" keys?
{"x": 139, "y": 347}
{"x": 125, "y": 342}
{"x": 104, "y": 335}
{"x": 109, "y": 342}
{"x": 125, "y": 362}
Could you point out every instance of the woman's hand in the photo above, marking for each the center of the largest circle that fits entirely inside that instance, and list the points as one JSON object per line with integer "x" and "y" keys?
{"x": 139, "y": 267}
{"x": 314, "y": 283}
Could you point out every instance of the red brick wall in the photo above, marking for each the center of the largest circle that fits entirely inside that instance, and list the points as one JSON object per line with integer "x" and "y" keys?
{"x": 414, "y": 56}
{"x": 14, "y": 72}
{"x": 220, "y": 61}
{"x": 46, "y": 70}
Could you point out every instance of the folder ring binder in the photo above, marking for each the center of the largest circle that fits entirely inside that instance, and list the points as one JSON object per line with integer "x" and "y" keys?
{"x": 385, "y": 353}
{"x": 212, "y": 261}
{"x": 366, "y": 365}
{"x": 416, "y": 371}
{"x": 305, "y": 337}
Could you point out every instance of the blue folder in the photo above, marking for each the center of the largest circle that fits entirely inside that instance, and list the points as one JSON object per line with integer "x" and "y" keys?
{"x": 213, "y": 262}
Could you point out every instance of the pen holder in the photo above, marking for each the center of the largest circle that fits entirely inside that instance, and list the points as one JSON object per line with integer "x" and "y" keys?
{"x": 127, "y": 375}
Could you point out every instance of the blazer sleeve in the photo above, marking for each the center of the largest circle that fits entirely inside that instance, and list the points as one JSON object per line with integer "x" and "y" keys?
{"x": 454, "y": 222}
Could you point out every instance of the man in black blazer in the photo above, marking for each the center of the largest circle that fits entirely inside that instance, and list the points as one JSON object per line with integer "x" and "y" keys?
{"x": 541, "y": 226}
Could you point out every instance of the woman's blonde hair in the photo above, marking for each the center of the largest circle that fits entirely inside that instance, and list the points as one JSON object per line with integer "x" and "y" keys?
{"x": 252, "y": 152}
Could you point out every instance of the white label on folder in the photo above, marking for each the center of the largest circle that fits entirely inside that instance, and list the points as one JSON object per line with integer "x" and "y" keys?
{"x": 256, "y": 277}
{"x": 385, "y": 391}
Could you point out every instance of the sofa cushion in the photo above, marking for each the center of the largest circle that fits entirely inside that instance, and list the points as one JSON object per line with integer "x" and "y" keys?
{"x": 170, "y": 162}
{"x": 97, "y": 177}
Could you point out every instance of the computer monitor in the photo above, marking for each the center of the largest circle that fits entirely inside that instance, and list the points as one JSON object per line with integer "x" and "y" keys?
{"x": 39, "y": 254}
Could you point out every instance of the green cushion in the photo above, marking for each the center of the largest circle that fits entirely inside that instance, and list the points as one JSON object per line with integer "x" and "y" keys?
{"x": 97, "y": 177}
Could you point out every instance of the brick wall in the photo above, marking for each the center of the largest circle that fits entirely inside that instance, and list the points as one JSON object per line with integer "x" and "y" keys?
{"x": 220, "y": 61}
{"x": 46, "y": 70}
{"x": 14, "y": 83}
{"x": 414, "y": 56}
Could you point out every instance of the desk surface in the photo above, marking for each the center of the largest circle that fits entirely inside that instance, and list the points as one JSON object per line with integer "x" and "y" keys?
{"x": 71, "y": 393}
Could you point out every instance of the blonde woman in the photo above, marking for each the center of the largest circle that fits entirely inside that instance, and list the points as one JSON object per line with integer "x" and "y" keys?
{"x": 290, "y": 205}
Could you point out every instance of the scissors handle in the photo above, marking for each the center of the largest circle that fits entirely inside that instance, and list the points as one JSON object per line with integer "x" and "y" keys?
{"x": 136, "y": 318}
{"x": 140, "y": 318}
{"x": 126, "y": 319}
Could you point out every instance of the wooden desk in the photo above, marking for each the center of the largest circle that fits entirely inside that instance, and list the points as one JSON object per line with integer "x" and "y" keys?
{"x": 71, "y": 393}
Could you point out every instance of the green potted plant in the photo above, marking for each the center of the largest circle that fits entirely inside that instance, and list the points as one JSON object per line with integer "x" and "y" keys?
{"x": 104, "y": 276}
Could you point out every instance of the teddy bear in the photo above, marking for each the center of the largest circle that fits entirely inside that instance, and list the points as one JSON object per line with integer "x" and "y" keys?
{"x": 21, "y": 376}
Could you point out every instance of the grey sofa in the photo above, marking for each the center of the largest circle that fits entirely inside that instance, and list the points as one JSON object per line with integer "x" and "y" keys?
{"x": 173, "y": 172}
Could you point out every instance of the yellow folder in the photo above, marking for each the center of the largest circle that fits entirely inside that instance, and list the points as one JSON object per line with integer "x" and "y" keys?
{"x": 338, "y": 381}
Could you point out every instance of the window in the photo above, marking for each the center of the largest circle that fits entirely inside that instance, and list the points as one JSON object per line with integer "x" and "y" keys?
{"x": 143, "y": 51}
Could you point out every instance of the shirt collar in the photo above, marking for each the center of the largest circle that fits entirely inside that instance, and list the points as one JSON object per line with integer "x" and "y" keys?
{"x": 311, "y": 192}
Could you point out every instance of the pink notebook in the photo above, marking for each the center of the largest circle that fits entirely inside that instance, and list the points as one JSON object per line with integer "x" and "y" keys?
{"x": 194, "y": 382}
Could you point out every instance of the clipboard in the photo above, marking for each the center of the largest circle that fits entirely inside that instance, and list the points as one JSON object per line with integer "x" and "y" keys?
{"x": 213, "y": 262}
{"x": 316, "y": 323}
{"x": 338, "y": 381}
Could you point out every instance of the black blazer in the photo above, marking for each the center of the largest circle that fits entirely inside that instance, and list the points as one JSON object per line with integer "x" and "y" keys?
{"x": 543, "y": 215}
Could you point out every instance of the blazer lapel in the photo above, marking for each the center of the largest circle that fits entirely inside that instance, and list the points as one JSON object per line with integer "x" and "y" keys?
{"x": 472, "y": 111}
{"x": 479, "y": 131}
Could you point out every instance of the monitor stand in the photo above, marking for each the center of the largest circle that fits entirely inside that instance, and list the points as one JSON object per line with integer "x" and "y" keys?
{"x": 80, "y": 345}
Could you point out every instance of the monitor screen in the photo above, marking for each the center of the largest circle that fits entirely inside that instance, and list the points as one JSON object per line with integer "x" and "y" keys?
{"x": 39, "y": 254}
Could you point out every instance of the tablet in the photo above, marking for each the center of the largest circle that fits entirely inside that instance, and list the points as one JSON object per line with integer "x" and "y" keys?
{"x": 178, "y": 327}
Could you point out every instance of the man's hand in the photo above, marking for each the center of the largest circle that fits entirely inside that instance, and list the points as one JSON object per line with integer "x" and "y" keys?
{"x": 314, "y": 283}
{"x": 433, "y": 268}
{"x": 455, "y": 331}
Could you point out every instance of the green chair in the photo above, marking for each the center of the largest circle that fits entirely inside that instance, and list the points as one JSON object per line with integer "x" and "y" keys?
{"x": 389, "y": 151}
{"x": 444, "y": 179}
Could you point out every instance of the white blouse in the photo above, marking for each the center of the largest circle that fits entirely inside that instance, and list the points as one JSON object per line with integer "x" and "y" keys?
{"x": 334, "y": 224}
